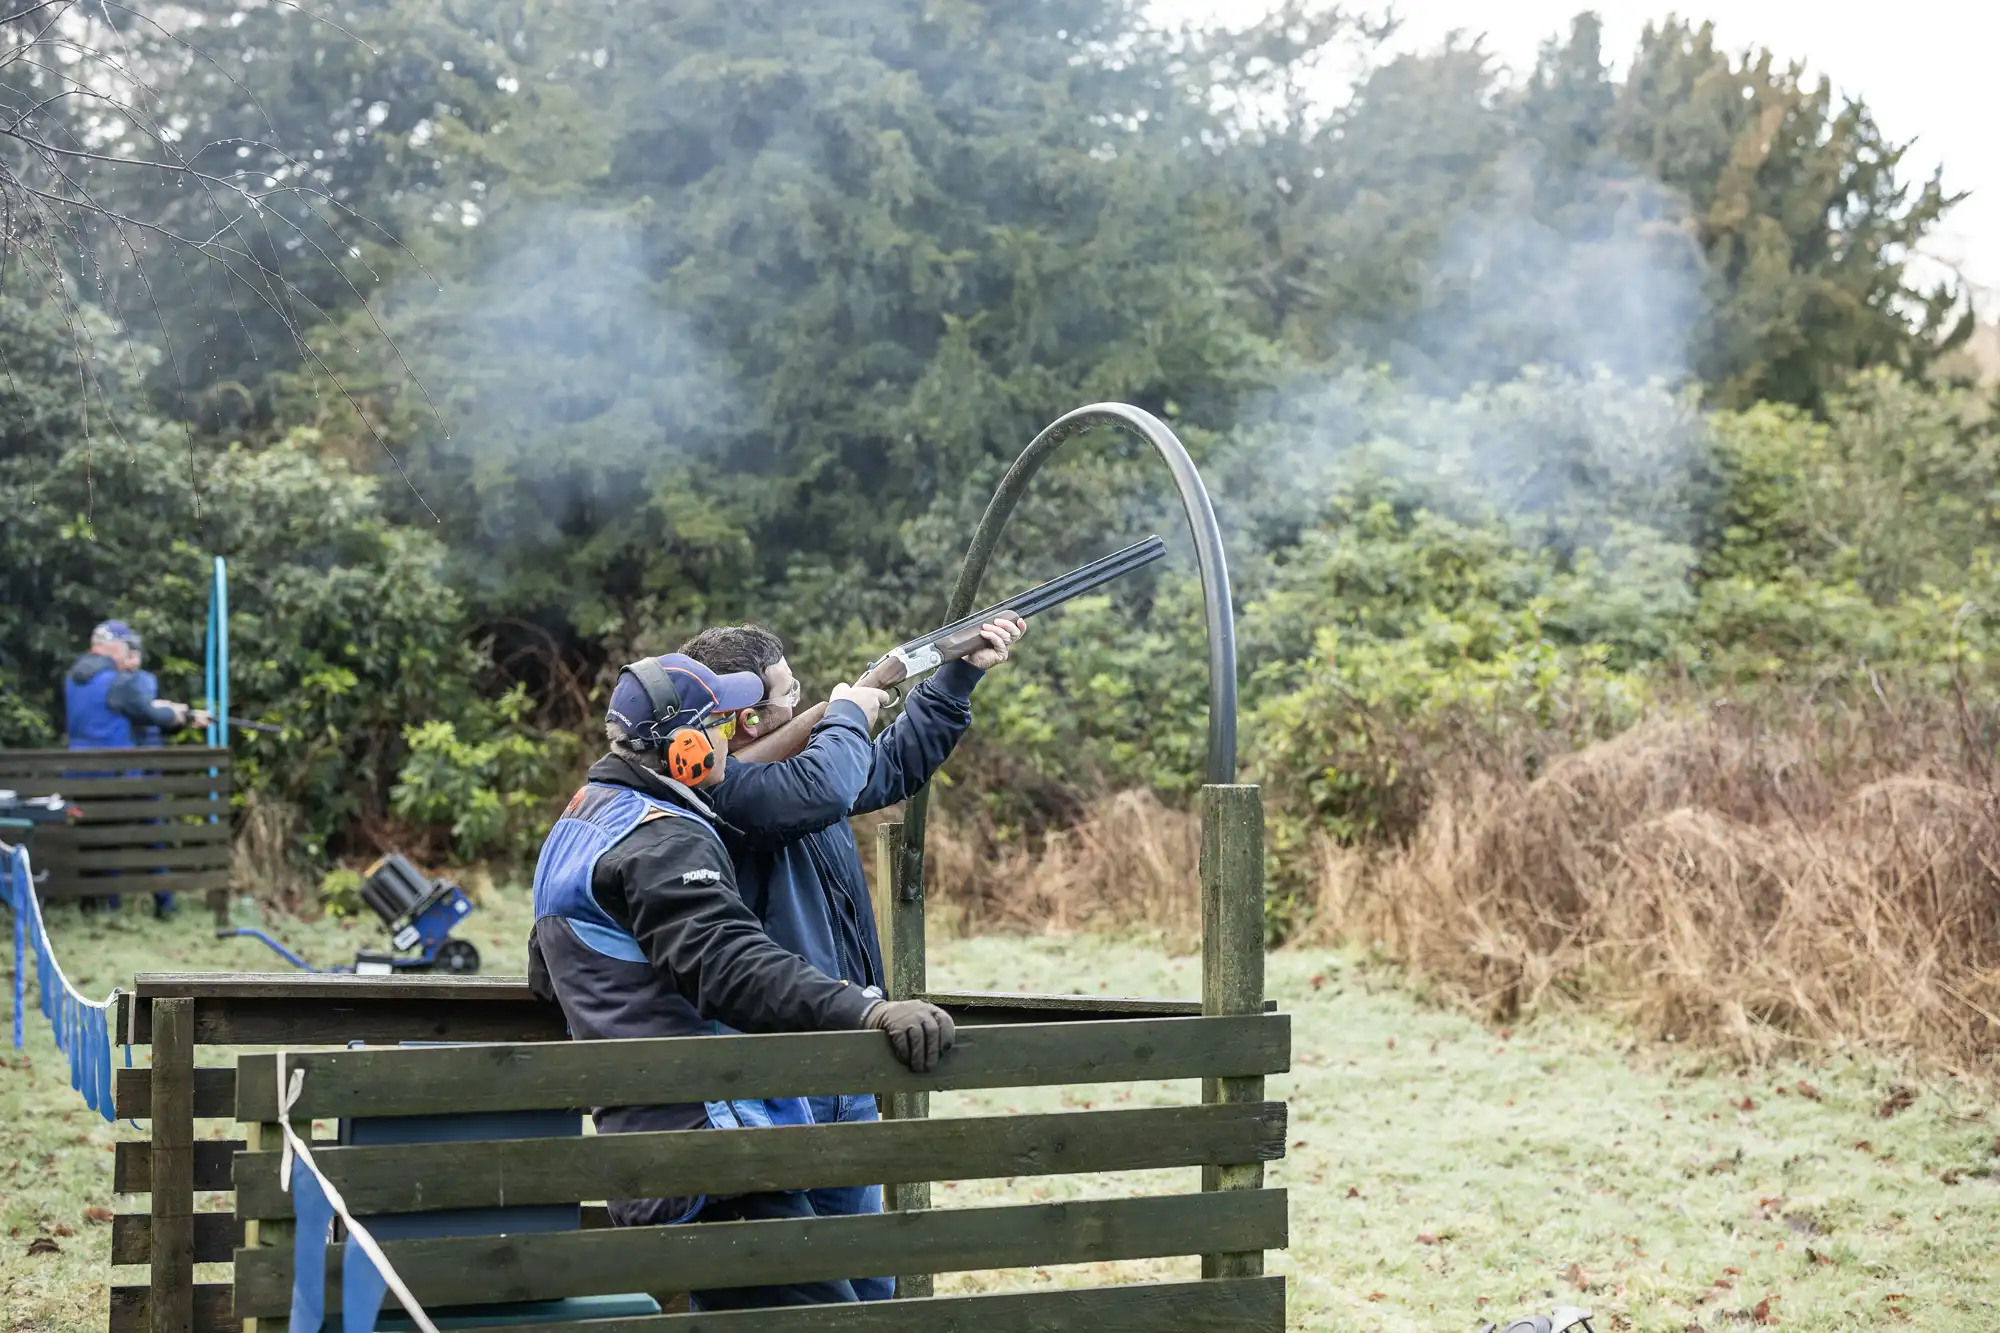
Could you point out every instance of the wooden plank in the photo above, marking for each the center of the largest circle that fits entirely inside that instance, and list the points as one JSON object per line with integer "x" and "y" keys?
{"x": 430, "y": 1176}
{"x": 65, "y": 884}
{"x": 547, "y": 1265}
{"x": 217, "y": 1237}
{"x": 172, "y": 858}
{"x": 214, "y": 1159}
{"x": 1247, "y": 1305}
{"x": 1232, "y": 967}
{"x": 172, "y": 1304}
{"x": 81, "y": 791}
{"x": 177, "y": 758}
{"x": 983, "y": 1007}
{"x": 174, "y": 807}
{"x": 87, "y": 836}
{"x": 319, "y": 1022}
{"x": 639, "y": 1072}
{"x": 325, "y": 986}
{"x": 131, "y": 1309}
{"x": 291, "y": 1008}
{"x": 214, "y": 1092}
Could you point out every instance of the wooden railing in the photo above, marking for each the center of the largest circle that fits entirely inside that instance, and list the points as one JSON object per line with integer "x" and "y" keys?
{"x": 154, "y": 820}
{"x": 177, "y": 1014}
{"x": 487, "y": 1269}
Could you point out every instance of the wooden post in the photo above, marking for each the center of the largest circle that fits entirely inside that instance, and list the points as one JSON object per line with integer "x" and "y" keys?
{"x": 274, "y": 1232}
{"x": 172, "y": 1278}
{"x": 906, "y": 979}
{"x": 1232, "y": 967}
{"x": 218, "y": 905}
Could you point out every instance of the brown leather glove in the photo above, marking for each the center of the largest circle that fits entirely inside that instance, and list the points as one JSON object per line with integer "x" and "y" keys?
{"x": 919, "y": 1031}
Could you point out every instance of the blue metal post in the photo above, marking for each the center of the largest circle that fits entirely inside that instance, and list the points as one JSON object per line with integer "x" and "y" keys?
{"x": 20, "y": 905}
{"x": 221, "y": 652}
{"x": 208, "y": 664}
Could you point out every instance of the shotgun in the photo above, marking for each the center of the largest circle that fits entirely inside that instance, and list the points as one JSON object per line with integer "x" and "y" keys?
{"x": 950, "y": 642}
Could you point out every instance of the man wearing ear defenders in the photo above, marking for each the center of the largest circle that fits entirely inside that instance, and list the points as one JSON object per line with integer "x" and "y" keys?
{"x": 640, "y": 932}
{"x": 787, "y": 832}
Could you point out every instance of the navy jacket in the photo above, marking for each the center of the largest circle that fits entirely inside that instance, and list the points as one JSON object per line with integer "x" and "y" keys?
{"x": 786, "y": 823}
{"x": 108, "y": 709}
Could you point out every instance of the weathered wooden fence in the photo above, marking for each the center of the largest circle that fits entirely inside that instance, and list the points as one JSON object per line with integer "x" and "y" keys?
{"x": 1238, "y": 1224}
{"x": 176, "y": 1015}
{"x": 154, "y": 820}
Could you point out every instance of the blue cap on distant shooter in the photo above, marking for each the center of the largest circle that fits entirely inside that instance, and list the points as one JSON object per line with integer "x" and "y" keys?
{"x": 698, "y": 695}
{"x": 115, "y": 631}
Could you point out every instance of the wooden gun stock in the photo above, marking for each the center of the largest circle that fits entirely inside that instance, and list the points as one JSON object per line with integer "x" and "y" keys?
{"x": 786, "y": 741}
{"x": 791, "y": 738}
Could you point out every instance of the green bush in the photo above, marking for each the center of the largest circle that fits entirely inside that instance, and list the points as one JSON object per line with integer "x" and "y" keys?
{"x": 490, "y": 793}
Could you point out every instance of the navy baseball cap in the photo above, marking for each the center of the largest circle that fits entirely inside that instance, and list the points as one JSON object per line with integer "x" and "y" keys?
{"x": 115, "y": 631}
{"x": 657, "y": 696}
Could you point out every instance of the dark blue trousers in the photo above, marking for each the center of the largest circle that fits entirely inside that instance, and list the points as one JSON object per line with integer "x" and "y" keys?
{"x": 836, "y": 1202}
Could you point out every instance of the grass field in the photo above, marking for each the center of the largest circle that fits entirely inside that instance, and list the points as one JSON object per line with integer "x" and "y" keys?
{"x": 1440, "y": 1173}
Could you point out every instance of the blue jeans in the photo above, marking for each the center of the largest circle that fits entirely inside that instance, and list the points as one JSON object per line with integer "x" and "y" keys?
{"x": 851, "y": 1200}
{"x": 846, "y": 1201}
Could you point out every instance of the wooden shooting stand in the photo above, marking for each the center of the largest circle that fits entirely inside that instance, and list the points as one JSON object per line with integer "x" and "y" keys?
{"x": 155, "y": 820}
{"x": 1229, "y": 1039}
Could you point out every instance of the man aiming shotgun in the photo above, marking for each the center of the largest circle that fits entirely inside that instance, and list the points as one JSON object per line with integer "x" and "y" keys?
{"x": 784, "y": 821}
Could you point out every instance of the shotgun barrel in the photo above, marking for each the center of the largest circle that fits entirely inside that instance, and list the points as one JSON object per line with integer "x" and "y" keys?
{"x": 950, "y": 642}
{"x": 960, "y": 637}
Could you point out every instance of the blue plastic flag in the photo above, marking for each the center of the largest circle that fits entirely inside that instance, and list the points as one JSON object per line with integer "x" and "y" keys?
{"x": 314, "y": 1214}
{"x": 105, "y": 1079}
{"x": 361, "y": 1291}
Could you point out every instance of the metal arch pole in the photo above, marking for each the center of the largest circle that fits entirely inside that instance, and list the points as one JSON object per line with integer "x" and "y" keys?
{"x": 1209, "y": 557}
{"x": 906, "y": 889}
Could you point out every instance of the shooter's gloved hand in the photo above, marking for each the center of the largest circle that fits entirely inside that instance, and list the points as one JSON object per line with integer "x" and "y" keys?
{"x": 919, "y": 1031}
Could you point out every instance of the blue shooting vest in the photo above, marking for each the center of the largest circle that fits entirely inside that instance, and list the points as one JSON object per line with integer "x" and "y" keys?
{"x": 87, "y": 711}
{"x": 596, "y": 819}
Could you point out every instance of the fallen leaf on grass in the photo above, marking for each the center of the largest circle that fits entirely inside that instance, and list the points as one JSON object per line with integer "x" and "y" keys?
{"x": 64, "y": 1229}
{"x": 1863, "y": 1145}
{"x": 1378, "y": 1295}
{"x": 1576, "y": 1277}
{"x": 1746, "y": 1105}
{"x": 1426, "y": 1238}
{"x": 1319, "y": 981}
{"x": 43, "y": 1245}
{"x": 97, "y": 1213}
{"x": 1353, "y": 1193}
{"x": 1816, "y": 1257}
{"x": 1900, "y": 1097}
{"x": 1761, "y": 1312}
{"x": 1808, "y": 1091}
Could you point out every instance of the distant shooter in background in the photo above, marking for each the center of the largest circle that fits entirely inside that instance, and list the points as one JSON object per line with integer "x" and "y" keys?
{"x": 112, "y": 704}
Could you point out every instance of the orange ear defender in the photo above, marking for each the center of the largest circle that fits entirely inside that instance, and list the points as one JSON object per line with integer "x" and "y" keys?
{"x": 690, "y": 757}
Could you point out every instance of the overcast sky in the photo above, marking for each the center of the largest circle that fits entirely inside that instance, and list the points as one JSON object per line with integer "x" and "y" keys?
{"x": 1931, "y": 72}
